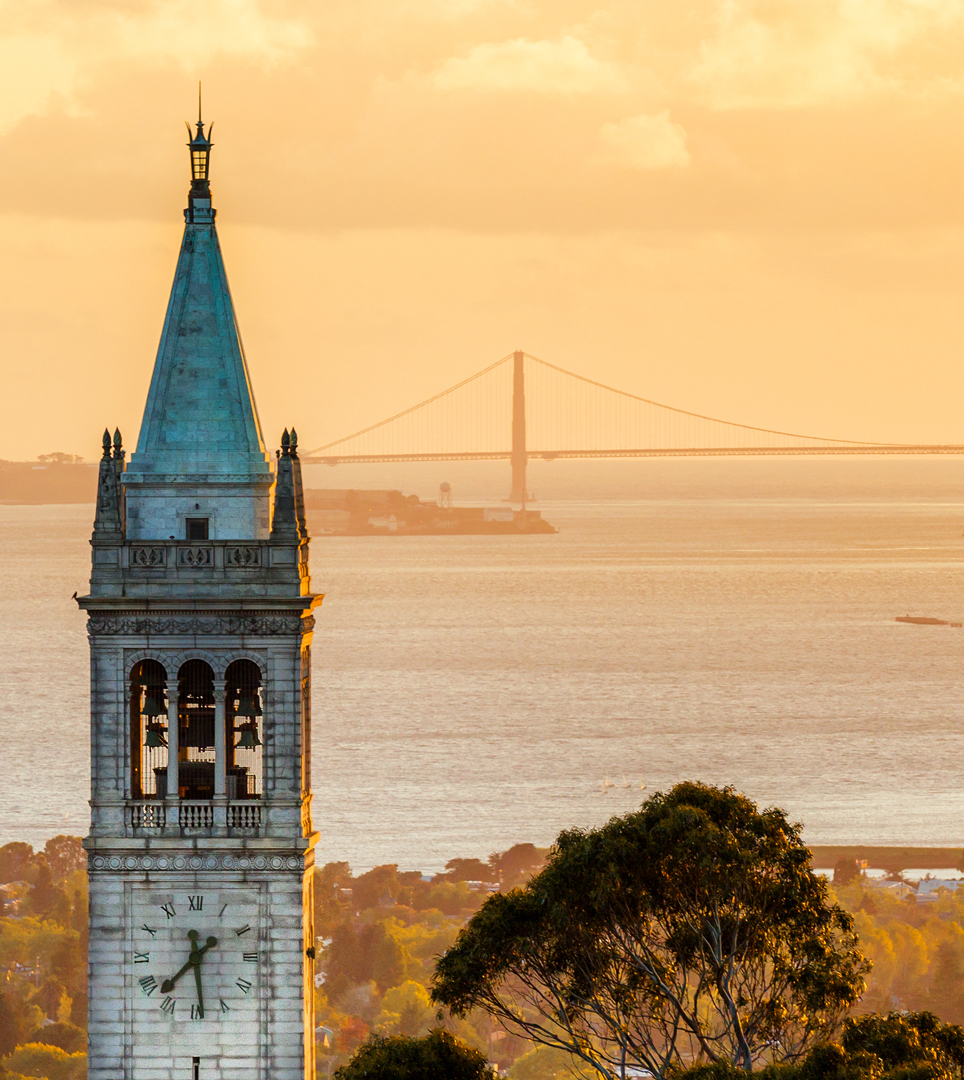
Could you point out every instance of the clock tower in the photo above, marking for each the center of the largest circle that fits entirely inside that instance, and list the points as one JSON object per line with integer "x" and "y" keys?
{"x": 199, "y": 618}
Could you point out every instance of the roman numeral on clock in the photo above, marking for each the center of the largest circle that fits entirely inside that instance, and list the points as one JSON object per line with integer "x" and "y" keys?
{"x": 148, "y": 984}
{"x": 142, "y": 958}
{"x": 167, "y": 1005}
{"x": 197, "y": 1013}
{"x": 196, "y": 903}
{"x": 149, "y": 930}
{"x": 168, "y": 910}
{"x": 250, "y": 957}
{"x": 244, "y": 930}
{"x": 224, "y": 1007}
{"x": 243, "y": 985}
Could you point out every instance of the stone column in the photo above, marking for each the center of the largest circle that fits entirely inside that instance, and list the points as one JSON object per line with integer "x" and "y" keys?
{"x": 220, "y": 762}
{"x": 171, "y": 802}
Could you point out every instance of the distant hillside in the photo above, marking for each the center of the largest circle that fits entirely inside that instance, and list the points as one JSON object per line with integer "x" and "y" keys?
{"x": 36, "y": 482}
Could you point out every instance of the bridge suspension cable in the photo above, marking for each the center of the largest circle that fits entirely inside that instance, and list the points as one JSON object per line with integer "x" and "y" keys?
{"x": 553, "y": 421}
{"x": 522, "y": 406}
{"x": 565, "y": 413}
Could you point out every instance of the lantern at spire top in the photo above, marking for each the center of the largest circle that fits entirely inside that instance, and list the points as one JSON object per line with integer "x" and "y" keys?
{"x": 200, "y": 148}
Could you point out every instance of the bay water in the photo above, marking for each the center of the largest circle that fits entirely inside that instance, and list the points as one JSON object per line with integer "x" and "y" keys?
{"x": 471, "y": 693}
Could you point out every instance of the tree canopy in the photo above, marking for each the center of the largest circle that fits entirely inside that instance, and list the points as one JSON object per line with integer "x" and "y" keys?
{"x": 690, "y": 930}
{"x": 437, "y": 1056}
{"x": 898, "y": 1046}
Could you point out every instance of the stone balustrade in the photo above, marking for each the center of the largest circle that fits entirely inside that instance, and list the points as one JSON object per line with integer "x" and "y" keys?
{"x": 157, "y": 815}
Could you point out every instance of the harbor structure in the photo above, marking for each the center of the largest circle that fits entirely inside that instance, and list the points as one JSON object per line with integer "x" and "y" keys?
{"x": 200, "y": 850}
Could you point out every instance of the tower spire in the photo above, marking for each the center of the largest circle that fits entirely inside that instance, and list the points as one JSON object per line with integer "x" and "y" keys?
{"x": 200, "y": 430}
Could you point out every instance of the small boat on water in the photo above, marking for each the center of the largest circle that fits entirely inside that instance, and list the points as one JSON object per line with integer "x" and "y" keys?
{"x": 925, "y": 620}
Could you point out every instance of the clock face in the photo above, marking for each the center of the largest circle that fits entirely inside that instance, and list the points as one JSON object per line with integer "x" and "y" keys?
{"x": 196, "y": 960}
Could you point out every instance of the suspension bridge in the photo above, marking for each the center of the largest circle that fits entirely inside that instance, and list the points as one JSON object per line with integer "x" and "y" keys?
{"x": 522, "y": 407}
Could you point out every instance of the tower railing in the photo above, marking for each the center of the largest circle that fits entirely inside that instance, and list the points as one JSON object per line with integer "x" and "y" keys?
{"x": 157, "y": 815}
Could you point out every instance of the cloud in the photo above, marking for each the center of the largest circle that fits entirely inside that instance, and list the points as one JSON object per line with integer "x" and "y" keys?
{"x": 646, "y": 142}
{"x": 49, "y": 49}
{"x": 565, "y": 66}
{"x": 787, "y": 53}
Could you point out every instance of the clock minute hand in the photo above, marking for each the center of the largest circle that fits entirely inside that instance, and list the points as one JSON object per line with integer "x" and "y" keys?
{"x": 197, "y": 983}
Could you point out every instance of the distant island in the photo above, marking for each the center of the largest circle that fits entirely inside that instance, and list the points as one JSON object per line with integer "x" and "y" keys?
{"x": 338, "y": 512}
{"x": 52, "y": 478}
{"x": 65, "y": 478}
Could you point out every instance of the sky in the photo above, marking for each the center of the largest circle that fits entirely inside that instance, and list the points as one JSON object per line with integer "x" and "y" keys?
{"x": 752, "y": 209}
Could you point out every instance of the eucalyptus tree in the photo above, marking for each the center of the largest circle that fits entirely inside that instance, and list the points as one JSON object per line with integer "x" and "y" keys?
{"x": 691, "y": 930}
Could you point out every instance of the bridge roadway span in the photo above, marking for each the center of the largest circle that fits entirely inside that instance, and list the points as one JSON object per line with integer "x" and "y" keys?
{"x": 690, "y": 451}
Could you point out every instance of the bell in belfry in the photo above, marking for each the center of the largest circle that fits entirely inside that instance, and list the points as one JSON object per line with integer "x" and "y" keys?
{"x": 154, "y": 736}
{"x": 249, "y": 737}
{"x": 248, "y": 704}
{"x": 154, "y": 702}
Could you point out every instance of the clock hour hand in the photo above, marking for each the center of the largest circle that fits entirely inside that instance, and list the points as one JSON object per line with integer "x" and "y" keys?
{"x": 168, "y": 985}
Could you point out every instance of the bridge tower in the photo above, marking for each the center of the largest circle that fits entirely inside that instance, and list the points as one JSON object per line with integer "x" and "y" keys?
{"x": 519, "y": 456}
{"x": 200, "y": 845}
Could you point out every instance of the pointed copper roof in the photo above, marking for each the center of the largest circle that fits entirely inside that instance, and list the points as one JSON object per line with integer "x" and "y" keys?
{"x": 200, "y": 419}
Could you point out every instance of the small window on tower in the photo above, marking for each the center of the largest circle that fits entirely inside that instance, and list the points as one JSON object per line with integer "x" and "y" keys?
{"x": 197, "y": 528}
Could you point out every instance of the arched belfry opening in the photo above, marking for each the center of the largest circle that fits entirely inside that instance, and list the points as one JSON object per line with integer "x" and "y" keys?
{"x": 195, "y": 728}
{"x": 244, "y": 718}
{"x": 148, "y": 723}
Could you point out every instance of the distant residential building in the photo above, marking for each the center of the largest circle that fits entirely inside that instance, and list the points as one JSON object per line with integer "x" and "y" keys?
{"x": 928, "y": 891}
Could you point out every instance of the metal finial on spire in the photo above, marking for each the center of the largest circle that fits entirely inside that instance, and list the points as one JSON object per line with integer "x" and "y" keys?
{"x": 199, "y": 101}
{"x": 117, "y": 438}
{"x": 106, "y": 442}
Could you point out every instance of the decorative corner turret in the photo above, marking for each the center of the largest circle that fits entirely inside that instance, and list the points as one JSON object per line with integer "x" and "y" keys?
{"x": 298, "y": 487}
{"x": 108, "y": 519}
{"x": 284, "y": 523}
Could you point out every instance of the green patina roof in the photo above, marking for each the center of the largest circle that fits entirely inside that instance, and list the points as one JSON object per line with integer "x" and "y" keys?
{"x": 200, "y": 417}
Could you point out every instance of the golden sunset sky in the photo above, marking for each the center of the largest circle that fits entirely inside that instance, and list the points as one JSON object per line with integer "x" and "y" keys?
{"x": 748, "y": 209}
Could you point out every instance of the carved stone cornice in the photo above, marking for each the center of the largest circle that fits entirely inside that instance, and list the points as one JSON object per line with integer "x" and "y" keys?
{"x": 188, "y": 623}
{"x": 180, "y": 863}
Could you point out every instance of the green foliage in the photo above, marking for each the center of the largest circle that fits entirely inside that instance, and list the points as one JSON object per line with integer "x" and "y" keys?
{"x": 43, "y": 950}
{"x": 406, "y": 1010}
{"x": 451, "y": 897}
{"x": 67, "y": 1036}
{"x": 389, "y": 963}
{"x": 846, "y": 872}
{"x": 41, "y": 897}
{"x": 38, "y": 1059}
{"x": 516, "y": 865}
{"x": 15, "y": 1021}
{"x": 467, "y": 870}
{"x": 906, "y": 1046}
{"x": 694, "y": 925}
{"x": 437, "y": 1056}
{"x": 64, "y": 855}
{"x": 14, "y": 861}
{"x": 546, "y": 1063}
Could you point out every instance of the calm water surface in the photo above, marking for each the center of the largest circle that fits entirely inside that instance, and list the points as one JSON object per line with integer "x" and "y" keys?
{"x": 473, "y": 692}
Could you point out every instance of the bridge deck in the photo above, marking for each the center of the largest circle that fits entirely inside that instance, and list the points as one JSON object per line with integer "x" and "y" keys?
{"x": 696, "y": 451}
